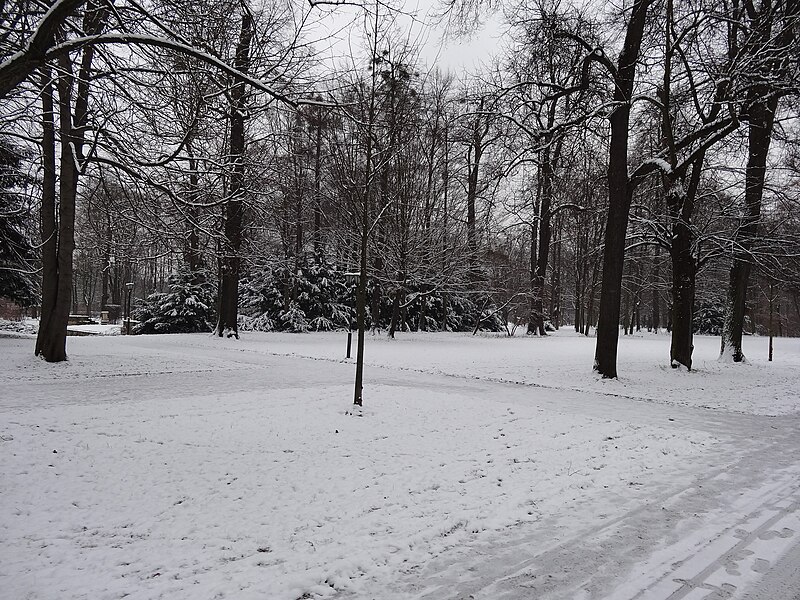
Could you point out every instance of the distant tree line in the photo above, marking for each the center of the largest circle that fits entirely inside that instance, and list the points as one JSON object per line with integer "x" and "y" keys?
{"x": 204, "y": 153}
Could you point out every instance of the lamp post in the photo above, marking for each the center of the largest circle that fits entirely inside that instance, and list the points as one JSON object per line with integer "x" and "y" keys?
{"x": 129, "y": 289}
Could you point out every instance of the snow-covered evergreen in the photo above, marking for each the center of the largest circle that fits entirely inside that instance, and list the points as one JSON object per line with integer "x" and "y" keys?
{"x": 188, "y": 306}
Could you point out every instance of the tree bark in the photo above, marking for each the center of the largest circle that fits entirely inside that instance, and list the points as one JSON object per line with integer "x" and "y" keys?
{"x": 48, "y": 216}
{"x": 684, "y": 272}
{"x": 545, "y": 233}
{"x": 361, "y": 293}
{"x": 534, "y": 301}
{"x": 620, "y": 193}
{"x": 396, "y": 300}
{"x": 59, "y": 237}
{"x": 761, "y": 106}
{"x": 680, "y": 204}
{"x": 760, "y": 125}
{"x": 656, "y": 309}
{"x": 555, "y": 278}
{"x": 192, "y": 256}
{"x": 473, "y": 175}
{"x": 317, "y": 195}
{"x": 227, "y": 324}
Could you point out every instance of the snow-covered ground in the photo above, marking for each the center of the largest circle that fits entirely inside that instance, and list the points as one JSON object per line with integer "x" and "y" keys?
{"x": 487, "y": 467}
{"x": 96, "y": 329}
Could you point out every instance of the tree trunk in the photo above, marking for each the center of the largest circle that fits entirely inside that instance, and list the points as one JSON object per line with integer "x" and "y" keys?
{"x": 51, "y": 342}
{"x": 423, "y": 306}
{"x": 298, "y": 161}
{"x": 684, "y": 271}
{"x": 227, "y": 324}
{"x": 192, "y": 256}
{"x": 48, "y": 216}
{"x": 680, "y": 203}
{"x": 317, "y": 194}
{"x": 107, "y": 265}
{"x": 375, "y": 309}
{"x": 473, "y": 175}
{"x": 590, "y": 308}
{"x": 619, "y": 197}
{"x": 543, "y": 251}
{"x": 361, "y": 296}
{"x": 760, "y": 125}
{"x": 555, "y": 281}
{"x": 395, "y": 312}
{"x": 535, "y": 302}
{"x": 656, "y": 310}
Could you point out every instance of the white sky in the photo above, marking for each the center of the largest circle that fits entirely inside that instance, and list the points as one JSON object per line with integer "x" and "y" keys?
{"x": 418, "y": 20}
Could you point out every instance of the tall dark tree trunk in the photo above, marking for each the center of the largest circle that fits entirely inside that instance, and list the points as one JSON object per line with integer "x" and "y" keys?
{"x": 684, "y": 273}
{"x": 543, "y": 250}
{"x": 535, "y": 303}
{"x": 591, "y": 289}
{"x": 475, "y": 155}
{"x": 656, "y": 308}
{"x": 555, "y": 278}
{"x": 377, "y": 293}
{"x": 680, "y": 204}
{"x": 227, "y": 325}
{"x": 366, "y": 192}
{"x": 620, "y": 193}
{"x": 59, "y": 232}
{"x": 317, "y": 194}
{"x": 192, "y": 256}
{"x": 107, "y": 265}
{"x": 48, "y": 215}
{"x": 423, "y": 310}
{"x": 761, "y": 121}
{"x": 298, "y": 161}
{"x": 396, "y": 299}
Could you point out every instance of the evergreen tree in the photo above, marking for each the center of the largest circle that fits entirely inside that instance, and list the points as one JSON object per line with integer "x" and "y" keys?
{"x": 188, "y": 307}
{"x": 17, "y": 252}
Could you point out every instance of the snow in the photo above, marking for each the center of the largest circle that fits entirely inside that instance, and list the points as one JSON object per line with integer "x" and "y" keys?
{"x": 659, "y": 163}
{"x": 563, "y": 362}
{"x": 97, "y": 329}
{"x": 189, "y": 466}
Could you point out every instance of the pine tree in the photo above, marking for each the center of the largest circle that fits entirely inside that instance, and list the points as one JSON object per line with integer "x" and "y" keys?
{"x": 17, "y": 252}
{"x": 188, "y": 307}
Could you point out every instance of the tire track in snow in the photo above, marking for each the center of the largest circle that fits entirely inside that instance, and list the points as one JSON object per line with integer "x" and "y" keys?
{"x": 752, "y": 484}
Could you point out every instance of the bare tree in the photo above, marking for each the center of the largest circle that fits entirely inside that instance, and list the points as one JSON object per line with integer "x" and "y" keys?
{"x": 232, "y": 243}
{"x": 769, "y": 49}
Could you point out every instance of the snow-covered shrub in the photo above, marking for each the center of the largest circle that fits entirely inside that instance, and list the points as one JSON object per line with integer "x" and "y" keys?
{"x": 309, "y": 296}
{"x": 188, "y": 307}
{"x": 259, "y": 323}
{"x": 709, "y": 317}
{"x": 315, "y": 295}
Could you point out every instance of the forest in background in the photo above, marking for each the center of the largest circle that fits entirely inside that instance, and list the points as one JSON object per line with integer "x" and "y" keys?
{"x": 629, "y": 167}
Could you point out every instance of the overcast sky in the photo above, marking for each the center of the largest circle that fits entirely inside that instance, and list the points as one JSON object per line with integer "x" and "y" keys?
{"x": 418, "y": 21}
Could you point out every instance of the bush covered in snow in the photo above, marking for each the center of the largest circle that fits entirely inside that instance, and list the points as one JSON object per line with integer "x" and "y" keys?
{"x": 315, "y": 295}
{"x": 188, "y": 306}
{"x": 709, "y": 317}
{"x": 311, "y": 296}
